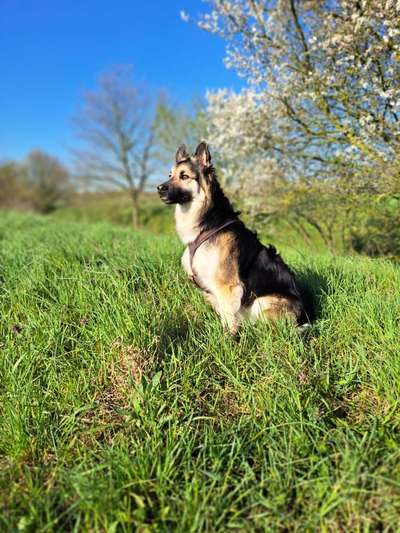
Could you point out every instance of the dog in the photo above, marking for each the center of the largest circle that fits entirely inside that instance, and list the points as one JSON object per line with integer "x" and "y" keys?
{"x": 238, "y": 275}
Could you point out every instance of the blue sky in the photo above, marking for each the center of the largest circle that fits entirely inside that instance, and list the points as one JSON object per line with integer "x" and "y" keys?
{"x": 52, "y": 50}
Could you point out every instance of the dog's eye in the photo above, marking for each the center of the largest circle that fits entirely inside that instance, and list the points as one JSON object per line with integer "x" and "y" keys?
{"x": 185, "y": 177}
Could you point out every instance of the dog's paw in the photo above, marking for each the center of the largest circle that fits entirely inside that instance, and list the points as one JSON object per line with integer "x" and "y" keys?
{"x": 232, "y": 329}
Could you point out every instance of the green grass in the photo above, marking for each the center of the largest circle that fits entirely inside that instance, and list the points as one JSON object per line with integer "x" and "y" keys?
{"x": 115, "y": 207}
{"x": 123, "y": 404}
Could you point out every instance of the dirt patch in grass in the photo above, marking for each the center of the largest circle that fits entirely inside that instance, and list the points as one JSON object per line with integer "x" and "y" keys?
{"x": 130, "y": 365}
{"x": 365, "y": 403}
{"x": 231, "y": 405}
{"x": 117, "y": 388}
{"x": 126, "y": 371}
{"x": 223, "y": 404}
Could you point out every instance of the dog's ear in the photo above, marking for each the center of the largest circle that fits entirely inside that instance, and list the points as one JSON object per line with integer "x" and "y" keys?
{"x": 203, "y": 156}
{"x": 181, "y": 154}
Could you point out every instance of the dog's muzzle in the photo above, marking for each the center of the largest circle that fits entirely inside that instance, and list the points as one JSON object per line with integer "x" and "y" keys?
{"x": 163, "y": 188}
{"x": 163, "y": 192}
{"x": 170, "y": 194}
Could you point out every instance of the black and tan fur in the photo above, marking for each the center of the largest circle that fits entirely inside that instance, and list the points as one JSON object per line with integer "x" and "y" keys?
{"x": 238, "y": 275}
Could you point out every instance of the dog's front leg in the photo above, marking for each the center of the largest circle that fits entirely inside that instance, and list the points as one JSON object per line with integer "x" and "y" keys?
{"x": 209, "y": 296}
{"x": 229, "y": 300}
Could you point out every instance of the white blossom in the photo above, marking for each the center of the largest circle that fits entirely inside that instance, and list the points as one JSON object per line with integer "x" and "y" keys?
{"x": 323, "y": 88}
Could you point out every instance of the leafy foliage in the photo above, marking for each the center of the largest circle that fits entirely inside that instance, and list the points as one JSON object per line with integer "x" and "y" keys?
{"x": 48, "y": 179}
{"x": 40, "y": 183}
{"x": 176, "y": 125}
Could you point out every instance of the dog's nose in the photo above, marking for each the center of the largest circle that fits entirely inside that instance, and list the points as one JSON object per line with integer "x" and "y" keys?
{"x": 162, "y": 188}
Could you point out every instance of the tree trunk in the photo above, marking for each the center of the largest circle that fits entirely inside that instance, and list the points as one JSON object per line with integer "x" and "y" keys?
{"x": 135, "y": 209}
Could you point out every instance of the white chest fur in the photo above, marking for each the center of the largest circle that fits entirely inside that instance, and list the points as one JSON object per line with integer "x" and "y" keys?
{"x": 187, "y": 220}
{"x": 206, "y": 258}
{"x": 205, "y": 264}
{"x": 186, "y": 262}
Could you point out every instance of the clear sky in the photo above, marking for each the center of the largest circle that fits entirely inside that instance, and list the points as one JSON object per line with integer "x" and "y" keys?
{"x": 52, "y": 50}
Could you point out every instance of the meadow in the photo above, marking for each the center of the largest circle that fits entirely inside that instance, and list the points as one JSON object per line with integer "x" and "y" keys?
{"x": 124, "y": 405}
{"x": 115, "y": 207}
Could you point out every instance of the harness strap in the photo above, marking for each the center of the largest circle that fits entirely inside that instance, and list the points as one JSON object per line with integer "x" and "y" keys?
{"x": 199, "y": 240}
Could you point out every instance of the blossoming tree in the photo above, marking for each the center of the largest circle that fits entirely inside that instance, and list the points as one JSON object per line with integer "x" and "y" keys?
{"x": 318, "y": 125}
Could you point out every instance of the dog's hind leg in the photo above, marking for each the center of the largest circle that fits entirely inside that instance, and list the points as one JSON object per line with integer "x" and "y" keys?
{"x": 273, "y": 307}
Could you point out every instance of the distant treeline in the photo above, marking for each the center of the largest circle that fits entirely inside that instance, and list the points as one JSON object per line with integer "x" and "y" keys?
{"x": 40, "y": 183}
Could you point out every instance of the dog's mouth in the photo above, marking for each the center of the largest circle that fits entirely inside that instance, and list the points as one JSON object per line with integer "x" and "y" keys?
{"x": 164, "y": 198}
{"x": 164, "y": 195}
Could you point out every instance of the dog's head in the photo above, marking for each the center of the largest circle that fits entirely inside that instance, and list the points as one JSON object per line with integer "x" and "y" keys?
{"x": 189, "y": 178}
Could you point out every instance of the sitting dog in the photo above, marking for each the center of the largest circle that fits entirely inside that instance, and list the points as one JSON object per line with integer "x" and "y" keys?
{"x": 237, "y": 274}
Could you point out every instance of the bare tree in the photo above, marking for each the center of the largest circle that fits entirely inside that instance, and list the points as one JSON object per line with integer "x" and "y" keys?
{"x": 115, "y": 126}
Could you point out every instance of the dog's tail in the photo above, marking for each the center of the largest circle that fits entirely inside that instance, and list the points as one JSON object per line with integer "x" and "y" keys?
{"x": 284, "y": 280}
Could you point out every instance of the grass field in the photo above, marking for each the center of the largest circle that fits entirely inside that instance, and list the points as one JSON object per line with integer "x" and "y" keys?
{"x": 123, "y": 405}
{"x": 115, "y": 207}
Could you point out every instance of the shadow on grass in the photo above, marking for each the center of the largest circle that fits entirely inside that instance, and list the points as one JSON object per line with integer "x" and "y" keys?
{"x": 174, "y": 330}
{"x": 315, "y": 288}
